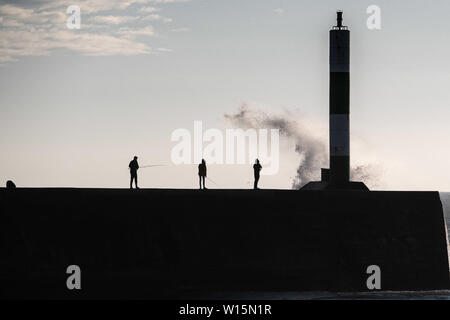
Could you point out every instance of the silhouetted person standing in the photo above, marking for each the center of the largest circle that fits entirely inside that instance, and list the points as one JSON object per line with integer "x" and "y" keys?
{"x": 256, "y": 169}
{"x": 202, "y": 174}
{"x": 134, "y": 166}
{"x": 10, "y": 184}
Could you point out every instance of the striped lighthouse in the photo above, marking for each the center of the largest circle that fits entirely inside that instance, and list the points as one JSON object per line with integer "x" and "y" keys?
{"x": 337, "y": 177}
{"x": 339, "y": 103}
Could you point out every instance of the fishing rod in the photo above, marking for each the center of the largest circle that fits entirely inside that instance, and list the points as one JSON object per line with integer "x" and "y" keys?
{"x": 154, "y": 165}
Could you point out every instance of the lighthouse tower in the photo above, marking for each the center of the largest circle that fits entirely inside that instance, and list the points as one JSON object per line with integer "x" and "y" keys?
{"x": 338, "y": 175}
{"x": 339, "y": 103}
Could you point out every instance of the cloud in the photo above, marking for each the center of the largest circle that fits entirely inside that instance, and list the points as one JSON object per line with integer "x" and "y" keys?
{"x": 279, "y": 11}
{"x": 11, "y": 23}
{"x": 41, "y": 43}
{"x": 153, "y": 17}
{"x": 157, "y": 17}
{"x": 164, "y": 50}
{"x": 114, "y": 19}
{"x": 132, "y": 33}
{"x": 95, "y": 6}
{"x": 183, "y": 29}
{"x": 167, "y": 1}
{"x": 15, "y": 12}
{"x": 149, "y": 9}
{"x": 30, "y": 30}
{"x": 5, "y": 58}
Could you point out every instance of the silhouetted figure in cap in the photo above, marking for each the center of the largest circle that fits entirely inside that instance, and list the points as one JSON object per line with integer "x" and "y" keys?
{"x": 256, "y": 169}
{"x": 202, "y": 174}
{"x": 10, "y": 184}
{"x": 134, "y": 166}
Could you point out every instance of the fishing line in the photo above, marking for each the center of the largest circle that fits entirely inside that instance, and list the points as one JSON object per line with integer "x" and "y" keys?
{"x": 154, "y": 165}
{"x": 212, "y": 181}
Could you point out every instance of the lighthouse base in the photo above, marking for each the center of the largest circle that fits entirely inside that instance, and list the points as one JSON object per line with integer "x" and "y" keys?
{"x": 325, "y": 185}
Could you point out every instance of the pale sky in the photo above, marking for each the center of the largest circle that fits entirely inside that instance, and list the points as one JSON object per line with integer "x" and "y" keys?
{"x": 77, "y": 105}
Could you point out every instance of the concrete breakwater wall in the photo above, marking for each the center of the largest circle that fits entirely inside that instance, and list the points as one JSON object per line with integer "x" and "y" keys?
{"x": 170, "y": 243}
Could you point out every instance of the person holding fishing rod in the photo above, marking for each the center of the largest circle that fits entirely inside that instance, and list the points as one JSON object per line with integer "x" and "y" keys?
{"x": 133, "y": 166}
{"x": 202, "y": 174}
{"x": 256, "y": 170}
